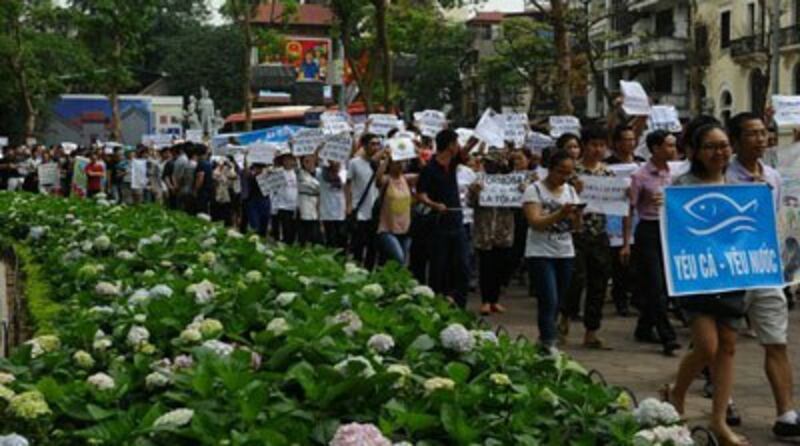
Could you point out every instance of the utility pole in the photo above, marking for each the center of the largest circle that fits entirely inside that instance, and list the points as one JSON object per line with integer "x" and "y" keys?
{"x": 775, "y": 20}
{"x": 342, "y": 89}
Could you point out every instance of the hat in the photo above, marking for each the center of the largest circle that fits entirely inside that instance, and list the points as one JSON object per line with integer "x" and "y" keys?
{"x": 283, "y": 150}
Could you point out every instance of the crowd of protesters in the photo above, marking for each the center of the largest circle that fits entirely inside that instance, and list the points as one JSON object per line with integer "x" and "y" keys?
{"x": 425, "y": 214}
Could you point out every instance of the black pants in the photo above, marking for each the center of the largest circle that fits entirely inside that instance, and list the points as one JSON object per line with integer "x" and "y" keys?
{"x": 652, "y": 285}
{"x": 622, "y": 281}
{"x": 590, "y": 274}
{"x": 222, "y": 212}
{"x": 287, "y": 224}
{"x": 362, "y": 243}
{"x": 492, "y": 265}
{"x": 449, "y": 274}
{"x": 309, "y": 232}
{"x": 335, "y": 234}
{"x": 419, "y": 254}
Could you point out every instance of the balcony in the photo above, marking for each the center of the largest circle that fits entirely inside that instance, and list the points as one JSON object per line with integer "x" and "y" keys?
{"x": 680, "y": 101}
{"x": 790, "y": 35}
{"x": 750, "y": 50}
{"x": 650, "y": 5}
{"x": 650, "y": 50}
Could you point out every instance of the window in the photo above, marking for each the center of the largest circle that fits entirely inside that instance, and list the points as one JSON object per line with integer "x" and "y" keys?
{"x": 796, "y": 79}
{"x": 665, "y": 23}
{"x": 486, "y": 32}
{"x": 725, "y": 29}
{"x": 751, "y": 18}
{"x": 662, "y": 79}
{"x": 726, "y": 107}
{"x": 758, "y": 91}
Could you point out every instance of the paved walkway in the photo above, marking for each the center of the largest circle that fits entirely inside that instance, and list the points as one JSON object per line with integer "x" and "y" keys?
{"x": 643, "y": 369}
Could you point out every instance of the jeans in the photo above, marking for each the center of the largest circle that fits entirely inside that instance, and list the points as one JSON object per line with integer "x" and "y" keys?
{"x": 449, "y": 273}
{"x": 652, "y": 286}
{"x": 258, "y": 215}
{"x": 551, "y": 277}
{"x": 492, "y": 266}
{"x": 590, "y": 273}
{"x": 394, "y": 246}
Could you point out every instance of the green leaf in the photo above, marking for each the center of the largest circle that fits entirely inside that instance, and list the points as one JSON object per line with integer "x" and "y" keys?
{"x": 98, "y": 413}
{"x": 455, "y": 423}
{"x": 423, "y": 343}
{"x": 458, "y": 372}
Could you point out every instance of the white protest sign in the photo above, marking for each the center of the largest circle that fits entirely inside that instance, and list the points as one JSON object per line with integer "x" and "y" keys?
{"x": 261, "y": 153}
{"x": 138, "y": 174}
{"x": 227, "y": 150}
{"x": 664, "y": 117}
{"x": 157, "y": 140}
{"x": 3, "y": 141}
{"x": 502, "y": 190}
{"x": 335, "y": 122}
{"x": 382, "y": 124}
{"x": 239, "y": 159}
{"x": 69, "y": 147}
{"x": 516, "y": 128}
{"x": 402, "y": 149}
{"x": 678, "y": 168}
{"x": 623, "y": 170}
{"x": 560, "y": 125}
{"x": 195, "y": 136}
{"x": 788, "y": 163}
{"x": 635, "y": 101}
{"x": 430, "y": 122}
{"x": 48, "y": 174}
{"x": 787, "y": 110}
{"x": 491, "y": 129}
{"x": 337, "y": 148}
{"x": 464, "y": 135}
{"x": 537, "y": 142}
{"x": 606, "y": 195}
{"x": 271, "y": 182}
{"x": 306, "y": 141}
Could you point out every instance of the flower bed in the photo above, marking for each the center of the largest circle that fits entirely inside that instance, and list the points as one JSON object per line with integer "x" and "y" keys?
{"x": 158, "y": 328}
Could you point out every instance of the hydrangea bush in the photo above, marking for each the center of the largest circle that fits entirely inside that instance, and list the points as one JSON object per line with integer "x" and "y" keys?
{"x": 240, "y": 342}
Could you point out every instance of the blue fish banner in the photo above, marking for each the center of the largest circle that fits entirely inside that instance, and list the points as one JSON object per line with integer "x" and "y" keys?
{"x": 720, "y": 238}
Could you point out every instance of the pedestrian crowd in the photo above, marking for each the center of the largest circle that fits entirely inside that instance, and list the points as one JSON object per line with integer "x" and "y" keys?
{"x": 426, "y": 214}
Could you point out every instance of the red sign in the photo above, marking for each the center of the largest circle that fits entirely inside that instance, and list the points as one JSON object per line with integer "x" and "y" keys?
{"x": 310, "y": 56}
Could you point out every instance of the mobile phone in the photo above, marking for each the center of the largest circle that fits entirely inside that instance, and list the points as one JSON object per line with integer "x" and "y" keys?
{"x": 581, "y": 205}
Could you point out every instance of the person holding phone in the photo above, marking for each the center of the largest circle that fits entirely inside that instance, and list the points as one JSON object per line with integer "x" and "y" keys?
{"x": 553, "y": 211}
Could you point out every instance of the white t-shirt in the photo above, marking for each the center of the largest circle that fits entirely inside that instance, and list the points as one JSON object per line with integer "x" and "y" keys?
{"x": 286, "y": 198}
{"x": 308, "y": 196}
{"x": 359, "y": 172}
{"x": 331, "y": 199}
{"x": 556, "y": 241}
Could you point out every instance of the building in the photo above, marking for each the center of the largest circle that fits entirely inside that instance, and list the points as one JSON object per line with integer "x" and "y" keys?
{"x": 646, "y": 41}
{"x": 738, "y": 78}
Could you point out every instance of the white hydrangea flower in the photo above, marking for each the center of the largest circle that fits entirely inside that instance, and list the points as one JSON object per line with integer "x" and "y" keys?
{"x": 278, "y": 326}
{"x": 208, "y": 258}
{"x": 423, "y": 291}
{"x": 161, "y": 290}
{"x": 156, "y": 379}
{"x": 101, "y": 381}
{"x": 83, "y": 359}
{"x": 373, "y": 290}
{"x": 43, "y": 344}
{"x": 203, "y": 291}
{"x": 351, "y": 269}
{"x": 140, "y": 318}
{"x": 500, "y": 379}
{"x": 436, "y": 383}
{"x": 234, "y": 234}
{"x": 6, "y": 394}
{"x": 351, "y": 320}
{"x": 253, "y": 276}
{"x": 126, "y": 255}
{"x": 485, "y": 336}
{"x": 208, "y": 243}
{"x": 7, "y": 378}
{"x": 205, "y": 217}
{"x": 36, "y": 232}
{"x": 139, "y": 297}
{"x": 101, "y": 310}
{"x": 218, "y": 347}
{"x": 191, "y": 335}
{"x": 652, "y": 412}
{"x": 401, "y": 369}
{"x": 456, "y": 337}
{"x": 138, "y": 335}
{"x": 102, "y": 242}
{"x": 87, "y": 246}
{"x": 175, "y": 418}
{"x": 148, "y": 274}
{"x": 663, "y": 436}
{"x": 286, "y": 298}
{"x": 381, "y": 342}
{"x": 156, "y": 239}
{"x": 13, "y": 440}
{"x": 355, "y": 434}
{"x": 101, "y": 341}
{"x": 165, "y": 264}
{"x": 90, "y": 270}
{"x": 184, "y": 362}
{"x": 107, "y": 289}
{"x": 210, "y": 327}
{"x": 366, "y": 372}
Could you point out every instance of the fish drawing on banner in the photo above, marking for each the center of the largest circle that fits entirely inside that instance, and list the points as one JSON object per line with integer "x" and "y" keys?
{"x": 715, "y": 212}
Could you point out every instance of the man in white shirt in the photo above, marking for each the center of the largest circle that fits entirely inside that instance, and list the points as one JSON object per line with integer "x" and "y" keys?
{"x": 361, "y": 193}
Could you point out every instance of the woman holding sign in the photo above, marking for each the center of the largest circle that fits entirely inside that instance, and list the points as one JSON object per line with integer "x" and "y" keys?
{"x": 394, "y": 208}
{"x": 714, "y": 318}
{"x": 553, "y": 212}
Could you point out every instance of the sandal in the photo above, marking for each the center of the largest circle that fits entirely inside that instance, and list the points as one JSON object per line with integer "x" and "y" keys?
{"x": 596, "y": 344}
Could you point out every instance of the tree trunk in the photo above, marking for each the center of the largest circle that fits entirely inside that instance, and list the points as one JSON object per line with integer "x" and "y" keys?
{"x": 116, "y": 125}
{"x": 18, "y": 67}
{"x": 386, "y": 58}
{"x": 563, "y": 55}
{"x": 248, "y": 74}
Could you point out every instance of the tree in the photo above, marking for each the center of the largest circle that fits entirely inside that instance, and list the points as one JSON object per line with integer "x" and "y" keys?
{"x": 350, "y": 16}
{"x": 114, "y": 31}
{"x": 36, "y": 56}
{"x": 557, "y": 16}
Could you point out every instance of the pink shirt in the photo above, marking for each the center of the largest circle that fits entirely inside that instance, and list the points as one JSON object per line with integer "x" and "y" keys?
{"x": 647, "y": 181}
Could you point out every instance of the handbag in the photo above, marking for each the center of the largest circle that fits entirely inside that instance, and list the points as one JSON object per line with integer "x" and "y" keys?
{"x": 730, "y": 304}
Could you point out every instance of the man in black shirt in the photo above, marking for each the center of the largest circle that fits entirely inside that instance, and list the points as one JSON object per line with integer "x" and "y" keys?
{"x": 438, "y": 189}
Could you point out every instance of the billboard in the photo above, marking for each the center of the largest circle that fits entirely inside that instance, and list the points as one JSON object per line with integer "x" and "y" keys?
{"x": 310, "y": 56}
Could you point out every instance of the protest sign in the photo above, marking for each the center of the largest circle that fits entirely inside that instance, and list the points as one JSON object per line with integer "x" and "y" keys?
{"x": 80, "y": 182}
{"x": 306, "y": 141}
{"x": 502, "y": 190}
{"x": 789, "y": 212}
{"x": 664, "y": 117}
{"x": 606, "y": 195}
{"x": 720, "y": 238}
{"x": 195, "y": 136}
{"x": 787, "y": 110}
{"x": 430, "y": 122}
{"x": 261, "y": 153}
{"x": 623, "y": 170}
{"x": 635, "y": 101}
{"x": 335, "y": 122}
{"x": 48, "y": 174}
{"x": 269, "y": 183}
{"x": 138, "y": 174}
{"x": 491, "y": 129}
{"x": 69, "y": 147}
{"x": 239, "y": 158}
{"x": 402, "y": 149}
{"x": 464, "y": 135}
{"x": 560, "y": 125}
{"x": 537, "y": 142}
{"x": 228, "y": 150}
{"x": 516, "y": 128}
{"x": 382, "y": 124}
{"x": 3, "y": 141}
{"x": 157, "y": 140}
{"x": 337, "y": 148}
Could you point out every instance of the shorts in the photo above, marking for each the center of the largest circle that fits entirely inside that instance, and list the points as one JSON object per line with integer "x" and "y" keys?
{"x": 769, "y": 315}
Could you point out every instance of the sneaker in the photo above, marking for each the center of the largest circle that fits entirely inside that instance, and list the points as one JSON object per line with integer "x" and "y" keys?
{"x": 732, "y": 416}
{"x": 785, "y": 430}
